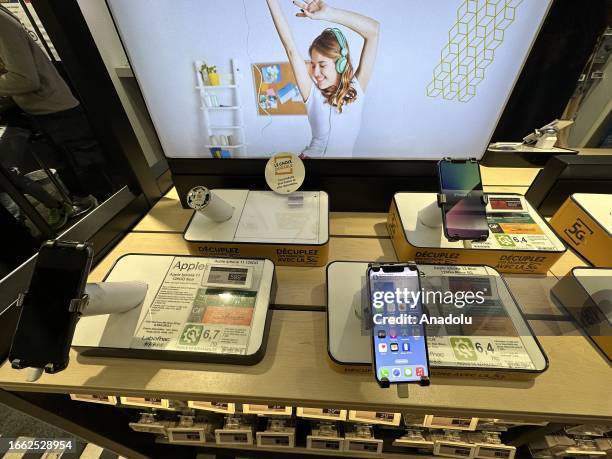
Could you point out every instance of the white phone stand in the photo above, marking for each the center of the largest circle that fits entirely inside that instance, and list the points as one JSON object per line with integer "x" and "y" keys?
{"x": 431, "y": 215}
{"x": 113, "y": 297}
{"x": 210, "y": 204}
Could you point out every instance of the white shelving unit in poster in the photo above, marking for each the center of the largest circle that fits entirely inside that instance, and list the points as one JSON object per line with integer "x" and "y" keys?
{"x": 221, "y": 107}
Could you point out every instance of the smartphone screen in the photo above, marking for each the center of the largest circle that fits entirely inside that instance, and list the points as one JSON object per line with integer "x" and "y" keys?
{"x": 46, "y": 326}
{"x": 398, "y": 338}
{"x": 464, "y": 210}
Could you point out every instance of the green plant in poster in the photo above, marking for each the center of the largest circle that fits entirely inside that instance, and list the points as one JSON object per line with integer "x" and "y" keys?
{"x": 209, "y": 72}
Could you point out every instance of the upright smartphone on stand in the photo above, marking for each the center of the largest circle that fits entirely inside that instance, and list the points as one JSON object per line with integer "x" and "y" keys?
{"x": 48, "y": 315}
{"x": 462, "y": 200}
{"x": 399, "y": 346}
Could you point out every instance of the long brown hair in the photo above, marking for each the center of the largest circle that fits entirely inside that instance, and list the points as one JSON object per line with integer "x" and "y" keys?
{"x": 337, "y": 96}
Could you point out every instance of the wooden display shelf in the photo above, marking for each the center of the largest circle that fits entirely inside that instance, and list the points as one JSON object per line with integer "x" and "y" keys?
{"x": 565, "y": 264}
{"x": 166, "y": 216}
{"x": 296, "y": 370}
{"x": 169, "y": 216}
{"x": 295, "y": 450}
{"x": 296, "y": 286}
{"x": 304, "y": 287}
{"x": 358, "y": 224}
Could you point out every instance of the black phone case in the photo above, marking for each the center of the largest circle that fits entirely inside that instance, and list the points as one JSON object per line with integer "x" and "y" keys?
{"x": 450, "y": 238}
{"x": 443, "y": 207}
{"x": 21, "y": 355}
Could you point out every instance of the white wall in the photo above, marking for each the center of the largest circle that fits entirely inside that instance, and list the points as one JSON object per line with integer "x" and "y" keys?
{"x": 164, "y": 38}
{"x": 102, "y": 29}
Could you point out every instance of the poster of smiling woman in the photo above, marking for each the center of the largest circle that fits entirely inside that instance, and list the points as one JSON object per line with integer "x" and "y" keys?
{"x": 388, "y": 79}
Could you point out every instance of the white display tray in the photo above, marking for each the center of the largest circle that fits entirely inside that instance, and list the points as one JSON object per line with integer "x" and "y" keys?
{"x": 191, "y": 319}
{"x": 519, "y": 241}
{"x": 587, "y": 294}
{"x": 419, "y": 235}
{"x": 350, "y": 344}
{"x": 265, "y": 217}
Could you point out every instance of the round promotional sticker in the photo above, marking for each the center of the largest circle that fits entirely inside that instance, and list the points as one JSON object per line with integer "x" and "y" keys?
{"x": 285, "y": 173}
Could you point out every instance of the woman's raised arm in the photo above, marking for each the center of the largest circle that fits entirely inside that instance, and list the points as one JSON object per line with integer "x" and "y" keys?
{"x": 368, "y": 28}
{"x": 298, "y": 65}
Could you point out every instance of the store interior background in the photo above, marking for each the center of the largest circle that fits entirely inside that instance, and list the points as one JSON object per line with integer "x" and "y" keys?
{"x": 543, "y": 92}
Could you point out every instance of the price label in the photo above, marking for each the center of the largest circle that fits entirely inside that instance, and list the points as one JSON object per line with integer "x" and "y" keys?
{"x": 482, "y": 351}
{"x": 228, "y": 276}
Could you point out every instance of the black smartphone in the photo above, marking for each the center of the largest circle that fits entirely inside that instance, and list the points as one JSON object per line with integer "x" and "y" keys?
{"x": 47, "y": 319}
{"x": 399, "y": 345}
{"x": 464, "y": 213}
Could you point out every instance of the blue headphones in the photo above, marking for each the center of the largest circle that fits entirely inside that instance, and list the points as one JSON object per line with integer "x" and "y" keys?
{"x": 342, "y": 61}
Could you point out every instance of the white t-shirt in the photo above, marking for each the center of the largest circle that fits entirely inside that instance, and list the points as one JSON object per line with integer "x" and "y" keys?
{"x": 333, "y": 133}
